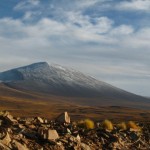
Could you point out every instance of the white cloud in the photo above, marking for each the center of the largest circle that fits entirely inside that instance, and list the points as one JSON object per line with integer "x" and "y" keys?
{"x": 87, "y": 3}
{"x": 143, "y": 5}
{"x": 144, "y": 33}
{"x": 28, "y": 4}
{"x": 82, "y": 27}
{"x": 48, "y": 32}
{"x": 54, "y": 37}
{"x": 139, "y": 41}
{"x": 103, "y": 25}
{"x": 122, "y": 30}
{"x": 29, "y": 15}
{"x": 34, "y": 2}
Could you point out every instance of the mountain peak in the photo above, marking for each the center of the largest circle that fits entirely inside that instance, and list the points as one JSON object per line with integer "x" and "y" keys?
{"x": 40, "y": 63}
{"x": 35, "y": 65}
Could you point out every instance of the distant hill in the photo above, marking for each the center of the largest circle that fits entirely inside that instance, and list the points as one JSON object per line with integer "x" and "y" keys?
{"x": 56, "y": 80}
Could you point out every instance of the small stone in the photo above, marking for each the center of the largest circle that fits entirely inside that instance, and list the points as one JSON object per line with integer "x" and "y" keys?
{"x": 21, "y": 126}
{"x": 18, "y": 136}
{"x": 39, "y": 120}
{"x": 115, "y": 145}
{"x": 102, "y": 140}
{"x": 71, "y": 139}
{"x": 97, "y": 124}
{"x": 2, "y": 133}
{"x": 52, "y": 135}
{"x": 64, "y": 141}
{"x": 8, "y": 118}
{"x": 78, "y": 138}
{"x": 59, "y": 143}
{"x": 4, "y": 113}
{"x": 45, "y": 121}
{"x": 6, "y": 140}
{"x": 31, "y": 126}
{"x": 19, "y": 146}
{"x": 4, "y": 147}
{"x": 85, "y": 146}
{"x": 68, "y": 131}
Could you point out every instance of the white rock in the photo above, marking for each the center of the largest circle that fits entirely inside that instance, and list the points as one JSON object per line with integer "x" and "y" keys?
{"x": 64, "y": 118}
{"x": 40, "y": 120}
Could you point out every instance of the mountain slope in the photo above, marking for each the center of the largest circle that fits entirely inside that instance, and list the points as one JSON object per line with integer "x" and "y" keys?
{"x": 58, "y": 80}
{"x": 25, "y": 91}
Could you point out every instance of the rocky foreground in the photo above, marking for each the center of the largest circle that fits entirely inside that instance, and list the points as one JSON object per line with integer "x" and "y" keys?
{"x": 61, "y": 134}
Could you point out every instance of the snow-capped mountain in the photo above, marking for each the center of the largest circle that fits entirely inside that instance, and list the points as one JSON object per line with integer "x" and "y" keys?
{"x": 58, "y": 80}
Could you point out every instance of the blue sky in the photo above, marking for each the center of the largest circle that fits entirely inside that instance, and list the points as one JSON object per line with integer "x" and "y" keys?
{"x": 107, "y": 39}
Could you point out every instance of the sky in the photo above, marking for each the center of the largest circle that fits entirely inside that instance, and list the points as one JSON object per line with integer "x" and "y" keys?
{"x": 106, "y": 39}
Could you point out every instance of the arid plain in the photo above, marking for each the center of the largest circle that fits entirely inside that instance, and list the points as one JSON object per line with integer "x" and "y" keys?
{"x": 31, "y": 104}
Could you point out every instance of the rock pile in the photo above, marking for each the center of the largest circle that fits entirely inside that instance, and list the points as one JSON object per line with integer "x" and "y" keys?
{"x": 41, "y": 134}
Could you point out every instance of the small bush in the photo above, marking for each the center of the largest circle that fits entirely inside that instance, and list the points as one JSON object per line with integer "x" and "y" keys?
{"x": 87, "y": 123}
{"x": 122, "y": 126}
{"x": 107, "y": 125}
{"x": 132, "y": 125}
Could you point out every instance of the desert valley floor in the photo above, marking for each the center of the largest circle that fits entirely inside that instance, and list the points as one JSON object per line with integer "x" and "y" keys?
{"x": 21, "y": 103}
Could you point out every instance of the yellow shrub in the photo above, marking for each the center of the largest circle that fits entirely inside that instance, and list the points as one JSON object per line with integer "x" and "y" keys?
{"x": 107, "y": 125}
{"x": 122, "y": 126}
{"x": 132, "y": 125}
{"x": 89, "y": 124}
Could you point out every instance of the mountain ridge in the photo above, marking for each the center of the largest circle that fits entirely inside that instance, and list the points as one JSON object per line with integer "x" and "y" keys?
{"x": 58, "y": 80}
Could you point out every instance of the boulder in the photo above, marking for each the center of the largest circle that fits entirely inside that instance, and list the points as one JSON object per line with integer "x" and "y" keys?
{"x": 48, "y": 134}
{"x": 63, "y": 118}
